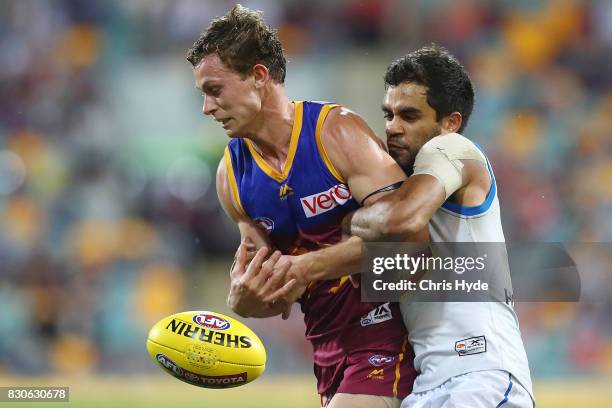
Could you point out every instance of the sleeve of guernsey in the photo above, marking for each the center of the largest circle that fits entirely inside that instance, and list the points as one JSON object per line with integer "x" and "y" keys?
{"x": 441, "y": 158}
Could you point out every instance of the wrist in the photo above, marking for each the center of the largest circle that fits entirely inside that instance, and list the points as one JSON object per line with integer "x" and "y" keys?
{"x": 233, "y": 302}
{"x": 308, "y": 269}
{"x": 240, "y": 310}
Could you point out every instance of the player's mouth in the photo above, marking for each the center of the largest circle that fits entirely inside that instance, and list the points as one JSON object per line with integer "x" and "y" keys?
{"x": 224, "y": 122}
{"x": 397, "y": 146}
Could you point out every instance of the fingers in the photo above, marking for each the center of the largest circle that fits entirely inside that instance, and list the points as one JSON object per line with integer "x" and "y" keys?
{"x": 282, "y": 293}
{"x": 267, "y": 267}
{"x": 240, "y": 261}
{"x": 251, "y": 249}
{"x": 255, "y": 265}
{"x": 250, "y": 255}
{"x": 276, "y": 277}
{"x": 287, "y": 311}
{"x": 269, "y": 264}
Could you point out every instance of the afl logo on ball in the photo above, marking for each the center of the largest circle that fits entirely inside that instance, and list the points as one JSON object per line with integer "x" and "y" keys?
{"x": 211, "y": 321}
{"x": 169, "y": 365}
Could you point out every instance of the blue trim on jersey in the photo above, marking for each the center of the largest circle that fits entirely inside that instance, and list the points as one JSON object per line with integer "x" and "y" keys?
{"x": 502, "y": 402}
{"x": 476, "y": 209}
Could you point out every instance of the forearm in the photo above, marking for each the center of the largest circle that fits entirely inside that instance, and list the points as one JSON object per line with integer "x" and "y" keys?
{"x": 379, "y": 229}
{"x": 335, "y": 261}
{"x": 264, "y": 311}
{"x": 370, "y": 223}
{"x": 402, "y": 215}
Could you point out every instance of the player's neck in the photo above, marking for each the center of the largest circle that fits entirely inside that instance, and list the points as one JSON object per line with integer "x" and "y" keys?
{"x": 271, "y": 131}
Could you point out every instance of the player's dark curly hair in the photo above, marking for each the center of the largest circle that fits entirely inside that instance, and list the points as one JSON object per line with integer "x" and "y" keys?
{"x": 449, "y": 88}
{"x": 242, "y": 39}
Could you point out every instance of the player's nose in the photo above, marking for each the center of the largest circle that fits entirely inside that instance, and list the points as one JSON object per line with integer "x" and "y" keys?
{"x": 209, "y": 106}
{"x": 393, "y": 127}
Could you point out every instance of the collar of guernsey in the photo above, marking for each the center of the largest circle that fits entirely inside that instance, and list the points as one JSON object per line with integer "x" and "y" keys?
{"x": 301, "y": 207}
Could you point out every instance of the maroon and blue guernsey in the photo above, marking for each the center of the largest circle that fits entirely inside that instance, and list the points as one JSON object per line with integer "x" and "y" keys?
{"x": 358, "y": 347}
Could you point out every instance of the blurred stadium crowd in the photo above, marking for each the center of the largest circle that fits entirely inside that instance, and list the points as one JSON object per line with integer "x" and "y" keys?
{"x": 107, "y": 202}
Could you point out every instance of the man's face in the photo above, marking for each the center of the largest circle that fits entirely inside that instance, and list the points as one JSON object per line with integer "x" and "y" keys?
{"x": 409, "y": 122}
{"x": 229, "y": 98}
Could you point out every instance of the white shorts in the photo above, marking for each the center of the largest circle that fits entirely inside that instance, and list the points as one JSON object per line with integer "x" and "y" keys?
{"x": 478, "y": 389}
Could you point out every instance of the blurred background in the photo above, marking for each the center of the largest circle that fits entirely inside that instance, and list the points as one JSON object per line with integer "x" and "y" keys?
{"x": 108, "y": 211}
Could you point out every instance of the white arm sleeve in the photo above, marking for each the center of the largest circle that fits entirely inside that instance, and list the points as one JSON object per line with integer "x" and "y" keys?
{"x": 441, "y": 158}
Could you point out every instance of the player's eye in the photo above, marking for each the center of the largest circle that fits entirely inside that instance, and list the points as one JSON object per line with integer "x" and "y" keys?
{"x": 410, "y": 117}
{"x": 388, "y": 116}
{"x": 213, "y": 91}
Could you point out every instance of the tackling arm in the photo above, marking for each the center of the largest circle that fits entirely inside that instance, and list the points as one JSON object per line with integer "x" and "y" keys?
{"x": 358, "y": 156}
{"x": 447, "y": 166}
{"x": 402, "y": 215}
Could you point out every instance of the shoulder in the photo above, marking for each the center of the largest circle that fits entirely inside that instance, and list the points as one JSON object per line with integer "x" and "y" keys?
{"x": 221, "y": 170}
{"x": 454, "y": 146}
{"x": 341, "y": 120}
{"x": 221, "y": 178}
{"x": 227, "y": 190}
{"x": 343, "y": 127}
{"x": 225, "y": 165}
{"x": 355, "y": 155}
{"x": 450, "y": 140}
{"x": 224, "y": 180}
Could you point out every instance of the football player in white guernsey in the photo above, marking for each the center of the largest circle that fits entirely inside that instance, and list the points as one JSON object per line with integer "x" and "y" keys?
{"x": 451, "y": 193}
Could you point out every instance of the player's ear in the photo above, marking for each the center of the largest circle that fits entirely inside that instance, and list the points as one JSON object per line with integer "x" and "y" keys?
{"x": 451, "y": 123}
{"x": 261, "y": 74}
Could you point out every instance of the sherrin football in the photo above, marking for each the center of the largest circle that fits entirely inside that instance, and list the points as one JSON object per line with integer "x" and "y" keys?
{"x": 207, "y": 349}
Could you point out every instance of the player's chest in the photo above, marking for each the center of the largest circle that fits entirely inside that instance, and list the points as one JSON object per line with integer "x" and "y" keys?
{"x": 301, "y": 201}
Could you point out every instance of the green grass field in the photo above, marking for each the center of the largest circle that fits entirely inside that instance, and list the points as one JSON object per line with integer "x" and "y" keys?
{"x": 160, "y": 391}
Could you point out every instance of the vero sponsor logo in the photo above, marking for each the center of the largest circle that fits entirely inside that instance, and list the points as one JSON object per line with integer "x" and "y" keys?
{"x": 326, "y": 200}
